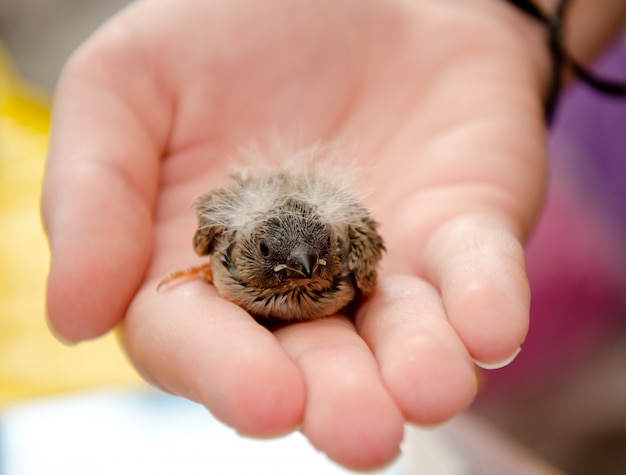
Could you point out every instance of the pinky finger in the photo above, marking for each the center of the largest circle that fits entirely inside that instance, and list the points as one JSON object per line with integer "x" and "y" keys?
{"x": 478, "y": 265}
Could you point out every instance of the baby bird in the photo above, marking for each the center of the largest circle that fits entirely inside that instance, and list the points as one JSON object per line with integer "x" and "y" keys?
{"x": 286, "y": 244}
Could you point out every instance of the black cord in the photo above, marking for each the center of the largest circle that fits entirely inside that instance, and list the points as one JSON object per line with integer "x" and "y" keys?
{"x": 561, "y": 58}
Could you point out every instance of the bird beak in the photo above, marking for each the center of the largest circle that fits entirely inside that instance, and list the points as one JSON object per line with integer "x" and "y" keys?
{"x": 302, "y": 262}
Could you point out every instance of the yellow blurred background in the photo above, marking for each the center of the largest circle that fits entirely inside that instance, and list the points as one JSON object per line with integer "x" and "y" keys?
{"x": 32, "y": 362}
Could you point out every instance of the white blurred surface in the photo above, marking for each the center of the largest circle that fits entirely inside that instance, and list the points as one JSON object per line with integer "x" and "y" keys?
{"x": 151, "y": 433}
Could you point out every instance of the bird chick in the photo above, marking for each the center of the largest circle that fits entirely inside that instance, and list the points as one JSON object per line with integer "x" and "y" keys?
{"x": 286, "y": 245}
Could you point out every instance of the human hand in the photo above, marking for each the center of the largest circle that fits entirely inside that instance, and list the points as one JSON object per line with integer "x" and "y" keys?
{"x": 442, "y": 104}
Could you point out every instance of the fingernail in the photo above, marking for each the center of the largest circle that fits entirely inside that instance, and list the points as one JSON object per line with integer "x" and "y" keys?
{"x": 56, "y": 334}
{"x": 499, "y": 364}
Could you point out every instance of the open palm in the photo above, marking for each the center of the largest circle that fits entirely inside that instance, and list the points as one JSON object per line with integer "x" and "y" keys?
{"x": 439, "y": 101}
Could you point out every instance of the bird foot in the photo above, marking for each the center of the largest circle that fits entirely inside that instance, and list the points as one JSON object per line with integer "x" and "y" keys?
{"x": 202, "y": 271}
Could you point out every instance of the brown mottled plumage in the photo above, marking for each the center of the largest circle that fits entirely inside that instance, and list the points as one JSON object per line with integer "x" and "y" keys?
{"x": 292, "y": 243}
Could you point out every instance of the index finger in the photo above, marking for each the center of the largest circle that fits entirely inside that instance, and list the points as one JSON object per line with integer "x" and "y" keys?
{"x": 100, "y": 185}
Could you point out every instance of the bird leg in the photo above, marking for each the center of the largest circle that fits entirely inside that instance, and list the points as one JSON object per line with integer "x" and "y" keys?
{"x": 202, "y": 271}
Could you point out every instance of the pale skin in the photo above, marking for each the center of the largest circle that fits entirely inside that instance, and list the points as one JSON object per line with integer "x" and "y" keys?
{"x": 441, "y": 101}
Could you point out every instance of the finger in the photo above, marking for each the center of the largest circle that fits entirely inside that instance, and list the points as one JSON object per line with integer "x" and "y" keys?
{"x": 99, "y": 189}
{"x": 423, "y": 363}
{"x": 191, "y": 342}
{"x": 478, "y": 264}
{"x": 349, "y": 414}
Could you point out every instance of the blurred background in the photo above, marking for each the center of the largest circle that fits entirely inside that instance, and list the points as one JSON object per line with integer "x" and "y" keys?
{"x": 565, "y": 395}
{"x": 41, "y": 34}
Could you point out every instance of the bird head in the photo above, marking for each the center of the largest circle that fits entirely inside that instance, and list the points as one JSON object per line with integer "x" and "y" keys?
{"x": 289, "y": 246}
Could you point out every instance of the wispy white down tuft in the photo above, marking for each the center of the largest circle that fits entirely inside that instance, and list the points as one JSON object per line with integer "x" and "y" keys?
{"x": 321, "y": 175}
